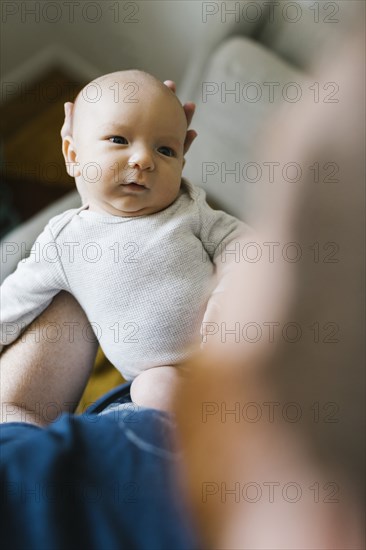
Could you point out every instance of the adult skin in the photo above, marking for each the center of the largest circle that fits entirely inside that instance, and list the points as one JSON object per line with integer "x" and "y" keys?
{"x": 43, "y": 376}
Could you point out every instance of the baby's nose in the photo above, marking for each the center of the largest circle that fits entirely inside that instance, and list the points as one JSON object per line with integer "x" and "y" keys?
{"x": 142, "y": 159}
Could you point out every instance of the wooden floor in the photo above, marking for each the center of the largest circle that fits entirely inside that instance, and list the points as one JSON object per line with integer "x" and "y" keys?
{"x": 33, "y": 172}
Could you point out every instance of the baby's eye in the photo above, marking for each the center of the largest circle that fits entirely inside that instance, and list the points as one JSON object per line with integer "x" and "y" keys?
{"x": 167, "y": 151}
{"x": 119, "y": 140}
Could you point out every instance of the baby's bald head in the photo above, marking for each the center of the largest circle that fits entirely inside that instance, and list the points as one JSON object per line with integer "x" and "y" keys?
{"x": 129, "y": 87}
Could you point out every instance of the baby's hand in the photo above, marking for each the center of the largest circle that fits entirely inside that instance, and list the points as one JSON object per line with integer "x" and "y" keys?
{"x": 189, "y": 109}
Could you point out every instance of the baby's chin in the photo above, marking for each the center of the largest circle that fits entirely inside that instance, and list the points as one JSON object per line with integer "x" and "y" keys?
{"x": 117, "y": 211}
{"x": 127, "y": 210}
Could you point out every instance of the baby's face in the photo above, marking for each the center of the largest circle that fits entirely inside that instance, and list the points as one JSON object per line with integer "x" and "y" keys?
{"x": 130, "y": 152}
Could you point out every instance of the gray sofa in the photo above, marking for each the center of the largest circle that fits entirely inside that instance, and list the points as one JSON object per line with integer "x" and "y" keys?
{"x": 253, "y": 59}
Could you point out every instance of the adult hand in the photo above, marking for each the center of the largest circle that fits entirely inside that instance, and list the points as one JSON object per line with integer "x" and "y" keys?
{"x": 189, "y": 109}
{"x": 66, "y": 127}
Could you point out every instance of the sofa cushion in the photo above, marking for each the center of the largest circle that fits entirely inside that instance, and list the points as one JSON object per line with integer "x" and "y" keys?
{"x": 301, "y": 32}
{"x": 243, "y": 86}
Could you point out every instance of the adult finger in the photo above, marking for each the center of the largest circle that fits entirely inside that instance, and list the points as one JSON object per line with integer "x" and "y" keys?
{"x": 66, "y": 127}
{"x": 170, "y": 84}
{"x": 189, "y": 109}
{"x": 190, "y": 137}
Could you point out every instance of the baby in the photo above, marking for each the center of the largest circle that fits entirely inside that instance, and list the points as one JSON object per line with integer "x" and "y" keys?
{"x": 140, "y": 255}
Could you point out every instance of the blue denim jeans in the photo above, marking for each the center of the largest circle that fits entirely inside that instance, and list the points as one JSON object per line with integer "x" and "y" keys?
{"x": 103, "y": 480}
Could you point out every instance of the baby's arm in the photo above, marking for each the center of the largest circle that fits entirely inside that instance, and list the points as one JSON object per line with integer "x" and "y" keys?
{"x": 27, "y": 292}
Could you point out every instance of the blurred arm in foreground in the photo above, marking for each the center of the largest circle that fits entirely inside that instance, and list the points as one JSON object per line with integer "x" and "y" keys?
{"x": 274, "y": 432}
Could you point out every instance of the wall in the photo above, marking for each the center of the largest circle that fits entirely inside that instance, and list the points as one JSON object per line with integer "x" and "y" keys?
{"x": 158, "y": 36}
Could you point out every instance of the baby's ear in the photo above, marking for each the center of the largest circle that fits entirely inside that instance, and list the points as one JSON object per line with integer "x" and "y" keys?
{"x": 69, "y": 153}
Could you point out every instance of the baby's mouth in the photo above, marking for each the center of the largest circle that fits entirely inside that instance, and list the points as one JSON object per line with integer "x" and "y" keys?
{"x": 133, "y": 186}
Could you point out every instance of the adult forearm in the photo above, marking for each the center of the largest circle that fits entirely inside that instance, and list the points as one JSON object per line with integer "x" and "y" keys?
{"x": 45, "y": 371}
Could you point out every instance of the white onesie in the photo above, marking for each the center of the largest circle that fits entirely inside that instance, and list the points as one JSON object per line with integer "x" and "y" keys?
{"x": 143, "y": 282}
